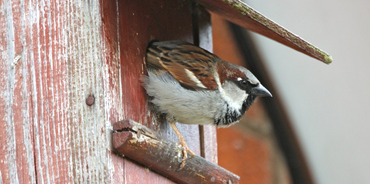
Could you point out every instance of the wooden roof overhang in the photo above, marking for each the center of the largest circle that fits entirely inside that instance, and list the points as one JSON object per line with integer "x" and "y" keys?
{"x": 240, "y": 13}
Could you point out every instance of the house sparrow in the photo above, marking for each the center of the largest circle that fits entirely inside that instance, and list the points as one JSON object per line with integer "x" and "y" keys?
{"x": 193, "y": 86}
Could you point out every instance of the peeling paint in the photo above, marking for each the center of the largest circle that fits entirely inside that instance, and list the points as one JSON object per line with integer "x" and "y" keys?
{"x": 15, "y": 62}
{"x": 56, "y": 47}
{"x": 10, "y": 132}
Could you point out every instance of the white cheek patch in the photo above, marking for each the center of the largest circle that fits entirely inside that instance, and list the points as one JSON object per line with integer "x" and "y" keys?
{"x": 233, "y": 95}
{"x": 194, "y": 79}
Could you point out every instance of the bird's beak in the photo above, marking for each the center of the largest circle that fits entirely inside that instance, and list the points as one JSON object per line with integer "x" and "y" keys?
{"x": 260, "y": 91}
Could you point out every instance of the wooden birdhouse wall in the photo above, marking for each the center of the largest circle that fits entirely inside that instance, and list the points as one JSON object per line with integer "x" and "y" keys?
{"x": 55, "y": 55}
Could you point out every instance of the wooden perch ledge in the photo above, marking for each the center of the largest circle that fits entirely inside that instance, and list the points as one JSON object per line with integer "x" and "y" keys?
{"x": 146, "y": 147}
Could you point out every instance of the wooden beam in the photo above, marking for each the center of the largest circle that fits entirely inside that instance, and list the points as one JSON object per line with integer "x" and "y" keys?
{"x": 141, "y": 144}
{"x": 240, "y": 13}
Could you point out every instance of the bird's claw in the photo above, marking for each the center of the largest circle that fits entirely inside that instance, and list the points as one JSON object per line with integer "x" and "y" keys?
{"x": 185, "y": 151}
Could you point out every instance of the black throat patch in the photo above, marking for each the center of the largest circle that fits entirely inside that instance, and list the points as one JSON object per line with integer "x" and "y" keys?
{"x": 232, "y": 116}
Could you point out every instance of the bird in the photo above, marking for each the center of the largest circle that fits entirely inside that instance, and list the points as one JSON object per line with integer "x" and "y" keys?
{"x": 193, "y": 86}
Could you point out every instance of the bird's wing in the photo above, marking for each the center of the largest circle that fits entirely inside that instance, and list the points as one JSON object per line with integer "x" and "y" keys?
{"x": 192, "y": 66}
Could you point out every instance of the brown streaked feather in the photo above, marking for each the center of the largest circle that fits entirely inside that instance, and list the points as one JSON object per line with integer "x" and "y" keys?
{"x": 192, "y": 66}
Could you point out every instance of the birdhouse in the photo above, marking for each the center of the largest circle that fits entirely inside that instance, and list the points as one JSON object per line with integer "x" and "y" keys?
{"x": 72, "y": 69}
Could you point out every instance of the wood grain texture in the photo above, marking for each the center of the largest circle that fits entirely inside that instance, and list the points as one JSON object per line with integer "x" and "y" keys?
{"x": 91, "y": 160}
{"x": 54, "y": 54}
{"x": 112, "y": 82}
{"x": 48, "y": 133}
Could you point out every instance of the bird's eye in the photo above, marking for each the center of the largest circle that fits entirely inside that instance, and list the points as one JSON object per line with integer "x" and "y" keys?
{"x": 243, "y": 82}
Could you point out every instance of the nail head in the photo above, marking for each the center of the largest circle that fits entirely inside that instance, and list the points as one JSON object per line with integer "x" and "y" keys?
{"x": 90, "y": 100}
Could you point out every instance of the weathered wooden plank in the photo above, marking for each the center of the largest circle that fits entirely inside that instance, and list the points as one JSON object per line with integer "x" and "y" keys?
{"x": 46, "y": 124}
{"x": 7, "y": 162}
{"x": 21, "y": 104}
{"x": 69, "y": 50}
{"x": 91, "y": 161}
{"x": 43, "y": 92}
{"x": 61, "y": 101}
{"x": 49, "y": 90}
{"x": 112, "y": 80}
{"x": 17, "y": 163}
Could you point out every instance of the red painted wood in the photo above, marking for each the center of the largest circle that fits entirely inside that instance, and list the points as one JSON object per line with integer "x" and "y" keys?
{"x": 112, "y": 82}
{"x": 70, "y": 50}
{"x": 48, "y": 134}
{"x": 4, "y": 105}
{"x": 16, "y": 158}
{"x": 141, "y": 22}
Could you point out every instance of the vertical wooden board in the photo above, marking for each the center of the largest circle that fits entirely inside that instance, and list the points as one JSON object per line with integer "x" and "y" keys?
{"x": 89, "y": 131}
{"x": 60, "y": 147}
{"x": 22, "y": 126}
{"x": 44, "y": 158}
{"x": 38, "y": 83}
{"x": 208, "y": 134}
{"x": 141, "y": 22}
{"x": 48, "y": 89}
{"x": 5, "y": 115}
{"x": 60, "y": 90}
{"x": 17, "y": 158}
{"x": 34, "y": 92}
{"x": 46, "y": 127}
{"x": 112, "y": 80}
